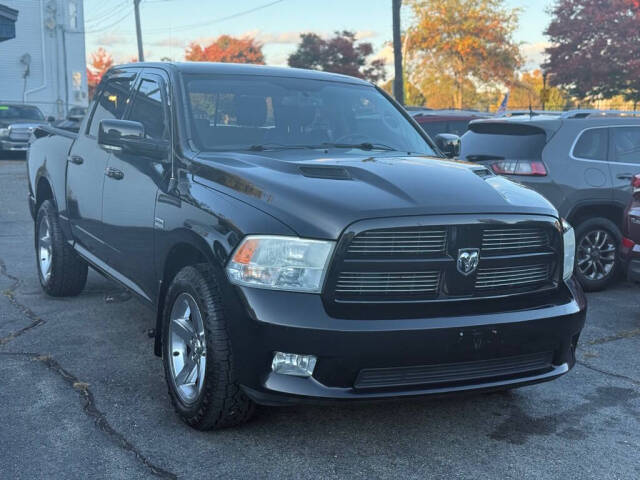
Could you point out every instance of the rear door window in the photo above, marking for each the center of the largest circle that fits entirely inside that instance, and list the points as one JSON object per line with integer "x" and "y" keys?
{"x": 625, "y": 144}
{"x": 111, "y": 103}
{"x": 148, "y": 109}
{"x": 592, "y": 144}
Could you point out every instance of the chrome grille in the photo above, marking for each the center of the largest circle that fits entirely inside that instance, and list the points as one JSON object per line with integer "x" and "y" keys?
{"x": 512, "y": 240}
{"x": 19, "y": 133}
{"x": 511, "y": 277}
{"x": 399, "y": 242}
{"x": 388, "y": 283}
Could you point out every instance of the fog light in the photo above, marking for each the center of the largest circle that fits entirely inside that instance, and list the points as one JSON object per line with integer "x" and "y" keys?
{"x": 293, "y": 364}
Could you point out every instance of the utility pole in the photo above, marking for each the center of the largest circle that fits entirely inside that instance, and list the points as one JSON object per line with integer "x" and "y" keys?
{"x": 136, "y": 7}
{"x": 398, "y": 80}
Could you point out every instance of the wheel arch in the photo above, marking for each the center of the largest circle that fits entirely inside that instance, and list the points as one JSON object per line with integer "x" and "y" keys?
{"x": 44, "y": 191}
{"x": 587, "y": 210}
{"x": 187, "y": 248}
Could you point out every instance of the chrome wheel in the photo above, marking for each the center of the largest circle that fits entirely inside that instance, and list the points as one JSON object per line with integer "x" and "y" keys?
{"x": 187, "y": 348}
{"x": 45, "y": 249}
{"x": 596, "y": 255}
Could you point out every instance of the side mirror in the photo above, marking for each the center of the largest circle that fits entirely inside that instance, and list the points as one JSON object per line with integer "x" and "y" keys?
{"x": 117, "y": 134}
{"x": 129, "y": 137}
{"x": 448, "y": 144}
{"x": 50, "y": 119}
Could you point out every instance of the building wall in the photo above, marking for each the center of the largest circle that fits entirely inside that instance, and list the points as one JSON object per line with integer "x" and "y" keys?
{"x": 49, "y": 48}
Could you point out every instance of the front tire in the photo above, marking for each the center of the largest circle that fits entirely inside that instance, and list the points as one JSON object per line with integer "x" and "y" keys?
{"x": 61, "y": 271}
{"x": 196, "y": 353}
{"x": 597, "y": 253}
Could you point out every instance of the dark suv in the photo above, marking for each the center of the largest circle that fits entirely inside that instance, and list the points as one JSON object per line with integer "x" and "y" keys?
{"x": 582, "y": 162}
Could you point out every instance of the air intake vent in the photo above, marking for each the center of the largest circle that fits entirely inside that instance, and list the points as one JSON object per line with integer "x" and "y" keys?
{"x": 333, "y": 173}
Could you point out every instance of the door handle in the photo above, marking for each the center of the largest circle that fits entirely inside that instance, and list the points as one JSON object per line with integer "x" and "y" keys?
{"x": 114, "y": 173}
{"x": 625, "y": 176}
{"x": 76, "y": 159}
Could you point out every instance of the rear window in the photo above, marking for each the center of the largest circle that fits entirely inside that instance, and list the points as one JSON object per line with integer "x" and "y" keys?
{"x": 487, "y": 141}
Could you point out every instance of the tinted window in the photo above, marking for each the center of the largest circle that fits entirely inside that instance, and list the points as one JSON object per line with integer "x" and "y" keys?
{"x": 10, "y": 112}
{"x": 236, "y": 112}
{"x": 111, "y": 103}
{"x": 502, "y": 141}
{"x": 592, "y": 144}
{"x": 147, "y": 109}
{"x": 434, "y": 128}
{"x": 626, "y": 144}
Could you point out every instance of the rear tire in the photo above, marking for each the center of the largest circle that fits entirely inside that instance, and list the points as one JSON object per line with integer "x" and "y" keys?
{"x": 61, "y": 271}
{"x": 597, "y": 253}
{"x": 196, "y": 353}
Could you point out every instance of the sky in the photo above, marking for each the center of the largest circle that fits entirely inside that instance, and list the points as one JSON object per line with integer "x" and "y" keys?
{"x": 168, "y": 26}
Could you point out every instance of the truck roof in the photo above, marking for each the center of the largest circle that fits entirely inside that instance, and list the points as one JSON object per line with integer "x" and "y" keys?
{"x": 247, "y": 69}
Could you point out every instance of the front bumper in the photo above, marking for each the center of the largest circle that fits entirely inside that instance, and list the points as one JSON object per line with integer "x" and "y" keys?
{"x": 266, "y": 321}
{"x": 13, "y": 146}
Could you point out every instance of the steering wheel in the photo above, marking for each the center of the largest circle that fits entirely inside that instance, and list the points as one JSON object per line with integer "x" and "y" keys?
{"x": 352, "y": 138}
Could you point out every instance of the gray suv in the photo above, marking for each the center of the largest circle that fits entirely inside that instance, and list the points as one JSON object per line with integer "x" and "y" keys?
{"x": 583, "y": 162}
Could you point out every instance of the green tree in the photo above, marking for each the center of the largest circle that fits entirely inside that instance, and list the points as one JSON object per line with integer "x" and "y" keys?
{"x": 468, "y": 41}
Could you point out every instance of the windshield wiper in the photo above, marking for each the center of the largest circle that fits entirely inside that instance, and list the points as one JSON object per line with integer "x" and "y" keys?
{"x": 276, "y": 146}
{"x": 360, "y": 146}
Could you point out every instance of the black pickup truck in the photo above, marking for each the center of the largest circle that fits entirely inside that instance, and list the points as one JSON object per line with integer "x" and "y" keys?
{"x": 301, "y": 239}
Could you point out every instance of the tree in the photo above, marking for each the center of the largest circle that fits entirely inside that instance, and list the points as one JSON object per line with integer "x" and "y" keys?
{"x": 339, "y": 54}
{"x": 470, "y": 41}
{"x": 227, "y": 49}
{"x": 595, "y": 48}
{"x": 528, "y": 90}
{"x": 101, "y": 61}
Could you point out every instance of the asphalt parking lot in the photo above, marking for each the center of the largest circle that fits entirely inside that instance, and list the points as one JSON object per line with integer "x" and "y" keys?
{"x": 83, "y": 396}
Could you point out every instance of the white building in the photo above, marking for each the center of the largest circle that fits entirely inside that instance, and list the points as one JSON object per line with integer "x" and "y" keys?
{"x": 45, "y": 63}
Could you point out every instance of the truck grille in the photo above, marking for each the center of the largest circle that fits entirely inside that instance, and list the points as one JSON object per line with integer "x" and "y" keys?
{"x": 420, "y": 262}
{"x": 20, "y": 134}
{"x": 513, "y": 239}
{"x": 512, "y": 277}
{"x": 399, "y": 242}
{"x": 462, "y": 372}
{"x": 388, "y": 283}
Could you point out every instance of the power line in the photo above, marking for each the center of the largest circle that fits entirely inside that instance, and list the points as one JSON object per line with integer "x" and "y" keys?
{"x": 96, "y": 22}
{"x": 129, "y": 11}
{"x": 215, "y": 20}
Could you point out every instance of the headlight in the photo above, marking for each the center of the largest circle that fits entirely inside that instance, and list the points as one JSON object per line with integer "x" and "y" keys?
{"x": 569, "y": 237}
{"x": 4, "y": 132}
{"x": 280, "y": 263}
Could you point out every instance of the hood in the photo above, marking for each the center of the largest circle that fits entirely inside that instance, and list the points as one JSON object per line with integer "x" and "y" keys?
{"x": 318, "y": 196}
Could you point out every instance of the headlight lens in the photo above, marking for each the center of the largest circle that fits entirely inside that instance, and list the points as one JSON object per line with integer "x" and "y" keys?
{"x": 4, "y": 132}
{"x": 569, "y": 237}
{"x": 280, "y": 263}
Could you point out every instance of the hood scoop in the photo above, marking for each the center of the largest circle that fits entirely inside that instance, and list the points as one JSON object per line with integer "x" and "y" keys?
{"x": 328, "y": 172}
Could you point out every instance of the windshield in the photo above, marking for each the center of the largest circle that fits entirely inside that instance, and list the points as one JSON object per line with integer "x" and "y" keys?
{"x": 236, "y": 112}
{"x": 10, "y": 112}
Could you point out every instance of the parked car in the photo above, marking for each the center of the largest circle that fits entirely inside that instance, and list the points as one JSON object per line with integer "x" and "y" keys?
{"x": 581, "y": 162}
{"x": 455, "y": 122}
{"x": 17, "y": 121}
{"x": 301, "y": 239}
{"x": 630, "y": 249}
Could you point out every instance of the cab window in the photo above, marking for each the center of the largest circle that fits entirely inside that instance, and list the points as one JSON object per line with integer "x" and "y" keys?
{"x": 111, "y": 103}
